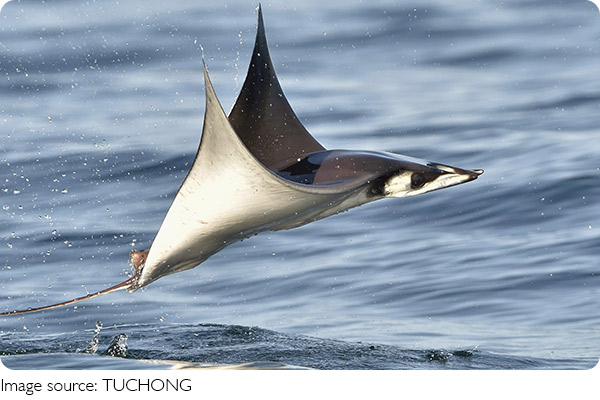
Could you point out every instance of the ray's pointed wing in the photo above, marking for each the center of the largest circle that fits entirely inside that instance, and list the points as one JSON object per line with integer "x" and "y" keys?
{"x": 262, "y": 116}
{"x": 228, "y": 195}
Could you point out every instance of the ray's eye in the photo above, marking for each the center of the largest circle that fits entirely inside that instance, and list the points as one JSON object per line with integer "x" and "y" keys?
{"x": 417, "y": 180}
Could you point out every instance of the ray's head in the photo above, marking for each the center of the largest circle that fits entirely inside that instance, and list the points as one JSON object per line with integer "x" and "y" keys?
{"x": 416, "y": 177}
{"x": 382, "y": 174}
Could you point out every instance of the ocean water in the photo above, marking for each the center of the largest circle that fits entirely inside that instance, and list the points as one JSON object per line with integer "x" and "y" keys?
{"x": 101, "y": 112}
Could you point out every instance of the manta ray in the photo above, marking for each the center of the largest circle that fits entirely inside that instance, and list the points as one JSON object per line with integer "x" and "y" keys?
{"x": 258, "y": 170}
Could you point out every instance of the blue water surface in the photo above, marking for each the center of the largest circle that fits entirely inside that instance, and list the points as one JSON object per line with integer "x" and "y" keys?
{"x": 101, "y": 111}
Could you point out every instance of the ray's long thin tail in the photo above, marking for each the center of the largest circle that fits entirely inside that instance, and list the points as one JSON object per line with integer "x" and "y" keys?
{"x": 122, "y": 285}
{"x": 137, "y": 259}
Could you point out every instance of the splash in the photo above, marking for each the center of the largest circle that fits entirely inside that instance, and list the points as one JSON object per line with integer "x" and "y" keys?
{"x": 92, "y": 347}
{"x": 118, "y": 347}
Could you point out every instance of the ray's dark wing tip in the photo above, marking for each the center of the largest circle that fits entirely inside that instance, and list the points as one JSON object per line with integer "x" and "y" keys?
{"x": 261, "y": 48}
{"x": 261, "y": 23}
{"x": 262, "y": 116}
